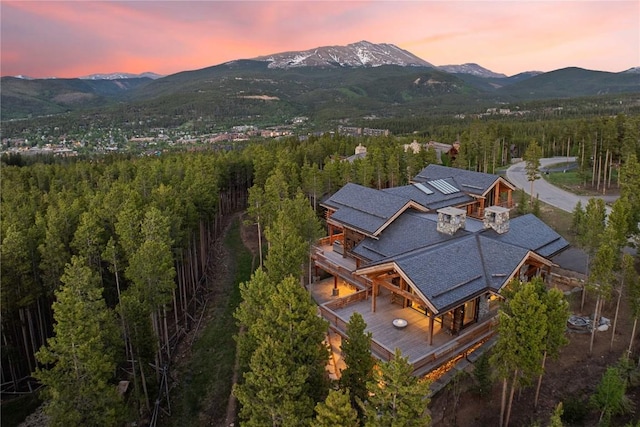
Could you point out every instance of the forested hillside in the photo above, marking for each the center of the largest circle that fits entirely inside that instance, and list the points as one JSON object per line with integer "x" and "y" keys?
{"x": 119, "y": 245}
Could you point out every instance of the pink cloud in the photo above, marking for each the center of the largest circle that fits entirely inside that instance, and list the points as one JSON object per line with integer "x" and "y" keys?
{"x": 68, "y": 38}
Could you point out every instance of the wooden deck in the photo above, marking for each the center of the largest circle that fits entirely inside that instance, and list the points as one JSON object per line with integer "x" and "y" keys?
{"x": 413, "y": 340}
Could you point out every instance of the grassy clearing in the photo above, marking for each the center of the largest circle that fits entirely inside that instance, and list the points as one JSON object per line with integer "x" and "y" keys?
{"x": 573, "y": 182}
{"x": 559, "y": 220}
{"x": 207, "y": 380}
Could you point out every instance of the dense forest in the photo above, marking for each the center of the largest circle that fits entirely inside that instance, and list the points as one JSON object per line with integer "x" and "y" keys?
{"x": 105, "y": 259}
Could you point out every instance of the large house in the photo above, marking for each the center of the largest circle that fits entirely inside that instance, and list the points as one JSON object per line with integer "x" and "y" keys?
{"x": 425, "y": 263}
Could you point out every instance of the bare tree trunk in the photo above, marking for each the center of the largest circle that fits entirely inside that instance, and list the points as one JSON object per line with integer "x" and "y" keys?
{"x": 615, "y": 317}
{"x": 544, "y": 359}
{"x": 594, "y": 325}
{"x": 599, "y": 172}
{"x": 503, "y": 401}
{"x": 510, "y": 403}
{"x": 633, "y": 333}
{"x": 595, "y": 149}
{"x": 28, "y": 352}
{"x": 259, "y": 243}
{"x": 604, "y": 174}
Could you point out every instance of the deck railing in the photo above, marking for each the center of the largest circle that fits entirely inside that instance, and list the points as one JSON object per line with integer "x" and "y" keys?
{"x": 432, "y": 360}
{"x": 456, "y": 346}
{"x": 346, "y": 300}
{"x": 338, "y": 270}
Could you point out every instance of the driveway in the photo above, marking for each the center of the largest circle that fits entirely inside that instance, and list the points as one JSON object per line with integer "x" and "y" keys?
{"x": 547, "y": 193}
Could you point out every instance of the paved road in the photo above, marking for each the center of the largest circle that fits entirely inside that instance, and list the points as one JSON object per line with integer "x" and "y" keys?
{"x": 548, "y": 193}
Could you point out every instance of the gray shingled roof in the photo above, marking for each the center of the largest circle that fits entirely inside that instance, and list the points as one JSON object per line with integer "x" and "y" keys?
{"x": 364, "y": 208}
{"x": 451, "y": 273}
{"x": 433, "y": 201}
{"x": 468, "y": 181}
{"x": 449, "y": 270}
{"x": 410, "y": 231}
{"x": 529, "y": 232}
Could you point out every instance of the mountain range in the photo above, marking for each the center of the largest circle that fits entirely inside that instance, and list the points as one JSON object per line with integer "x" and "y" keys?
{"x": 325, "y": 83}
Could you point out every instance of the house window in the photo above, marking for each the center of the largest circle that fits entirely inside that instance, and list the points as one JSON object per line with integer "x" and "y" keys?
{"x": 470, "y": 310}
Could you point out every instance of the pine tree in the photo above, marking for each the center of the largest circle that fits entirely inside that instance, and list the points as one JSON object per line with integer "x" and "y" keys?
{"x": 522, "y": 331}
{"x": 287, "y": 373}
{"x": 532, "y": 165}
{"x": 397, "y": 398}
{"x": 80, "y": 360}
{"x": 556, "y": 417}
{"x": 600, "y": 281}
{"x": 254, "y": 294}
{"x": 287, "y": 249}
{"x": 356, "y": 351}
{"x": 610, "y": 396}
{"x": 557, "y": 315}
{"x": 578, "y": 219}
{"x": 336, "y": 411}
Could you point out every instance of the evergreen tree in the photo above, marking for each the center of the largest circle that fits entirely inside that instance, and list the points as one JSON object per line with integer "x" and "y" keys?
{"x": 630, "y": 277}
{"x": 254, "y": 293}
{"x": 557, "y": 315}
{"x": 522, "y": 331}
{"x": 610, "y": 396}
{"x": 630, "y": 188}
{"x": 397, "y": 398}
{"x": 356, "y": 351}
{"x": 272, "y": 392}
{"x": 482, "y": 374}
{"x": 600, "y": 281}
{"x": 556, "y": 417}
{"x": 578, "y": 219}
{"x": 80, "y": 360}
{"x": 287, "y": 373}
{"x": 532, "y": 164}
{"x": 336, "y": 411}
{"x": 287, "y": 249}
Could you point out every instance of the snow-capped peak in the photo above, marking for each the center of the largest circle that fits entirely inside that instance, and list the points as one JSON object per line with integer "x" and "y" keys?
{"x": 361, "y": 54}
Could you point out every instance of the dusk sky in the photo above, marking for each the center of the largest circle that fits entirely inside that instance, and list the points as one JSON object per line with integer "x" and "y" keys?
{"x": 77, "y": 38}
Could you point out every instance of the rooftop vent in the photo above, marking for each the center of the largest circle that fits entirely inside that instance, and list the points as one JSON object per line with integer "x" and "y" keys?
{"x": 496, "y": 217}
{"x": 450, "y": 220}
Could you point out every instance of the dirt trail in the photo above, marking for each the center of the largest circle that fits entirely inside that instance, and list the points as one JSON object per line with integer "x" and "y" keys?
{"x": 249, "y": 236}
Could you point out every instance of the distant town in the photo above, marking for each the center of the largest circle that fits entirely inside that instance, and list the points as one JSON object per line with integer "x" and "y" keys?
{"x": 52, "y": 141}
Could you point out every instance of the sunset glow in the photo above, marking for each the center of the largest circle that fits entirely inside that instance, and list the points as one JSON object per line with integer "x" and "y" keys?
{"x": 76, "y": 38}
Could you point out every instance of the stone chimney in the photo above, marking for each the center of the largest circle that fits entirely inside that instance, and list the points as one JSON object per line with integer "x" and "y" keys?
{"x": 496, "y": 217}
{"x": 451, "y": 220}
{"x": 360, "y": 149}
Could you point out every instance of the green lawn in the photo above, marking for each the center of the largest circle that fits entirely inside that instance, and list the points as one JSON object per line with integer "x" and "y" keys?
{"x": 573, "y": 182}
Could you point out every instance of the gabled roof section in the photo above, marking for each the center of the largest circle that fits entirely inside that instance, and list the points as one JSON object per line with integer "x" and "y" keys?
{"x": 410, "y": 231}
{"x": 451, "y": 273}
{"x": 531, "y": 233}
{"x": 429, "y": 196}
{"x": 366, "y": 209}
{"x": 477, "y": 183}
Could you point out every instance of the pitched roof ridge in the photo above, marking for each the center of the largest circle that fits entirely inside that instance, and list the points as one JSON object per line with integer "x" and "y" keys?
{"x": 484, "y": 266}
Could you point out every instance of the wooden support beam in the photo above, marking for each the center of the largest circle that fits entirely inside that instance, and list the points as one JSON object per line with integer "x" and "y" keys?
{"x": 409, "y": 296}
{"x": 373, "y": 296}
{"x": 431, "y": 320}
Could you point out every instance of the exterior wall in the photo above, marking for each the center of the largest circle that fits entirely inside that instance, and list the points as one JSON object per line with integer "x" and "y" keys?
{"x": 351, "y": 239}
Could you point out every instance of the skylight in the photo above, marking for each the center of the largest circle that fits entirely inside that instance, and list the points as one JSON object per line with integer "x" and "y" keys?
{"x": 443, "y": 186}
{"x": 422, "y": 188}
